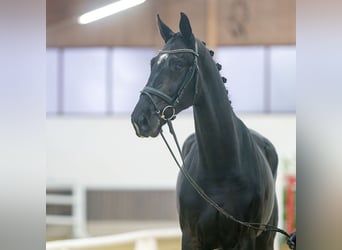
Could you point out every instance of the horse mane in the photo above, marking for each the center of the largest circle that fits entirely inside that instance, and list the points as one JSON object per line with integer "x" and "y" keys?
{"x": 219, "y": 67}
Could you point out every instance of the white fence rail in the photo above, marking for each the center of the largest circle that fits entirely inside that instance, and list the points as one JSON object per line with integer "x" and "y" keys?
{"x": 77, "y": 201}
{"x": 142, "y": 240}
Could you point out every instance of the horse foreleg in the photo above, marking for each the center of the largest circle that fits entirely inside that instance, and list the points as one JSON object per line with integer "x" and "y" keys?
{"x": 188, "y": 242}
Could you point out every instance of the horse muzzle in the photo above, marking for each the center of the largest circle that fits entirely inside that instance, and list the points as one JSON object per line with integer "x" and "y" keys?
{"x": 145, "y": 125}
{"x": 137, "y": 130}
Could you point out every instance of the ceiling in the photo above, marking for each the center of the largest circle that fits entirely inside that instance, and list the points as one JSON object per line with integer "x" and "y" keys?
{"x": 218, "y": 22}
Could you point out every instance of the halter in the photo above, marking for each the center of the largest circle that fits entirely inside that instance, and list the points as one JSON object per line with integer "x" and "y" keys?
{"x": 169, "y": 111}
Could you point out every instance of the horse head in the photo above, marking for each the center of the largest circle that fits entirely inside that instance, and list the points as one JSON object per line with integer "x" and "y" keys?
{"x": 171, "y": 84}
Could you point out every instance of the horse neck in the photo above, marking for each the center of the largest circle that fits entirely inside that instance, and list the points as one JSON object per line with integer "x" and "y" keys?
{"x": 215, "y": 122}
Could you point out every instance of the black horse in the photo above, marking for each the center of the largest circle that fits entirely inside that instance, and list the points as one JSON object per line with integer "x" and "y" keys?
{"x": 235, "y": 166}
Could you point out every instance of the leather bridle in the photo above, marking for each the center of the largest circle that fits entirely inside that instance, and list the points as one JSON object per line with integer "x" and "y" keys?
{"x": 169, "y": 111}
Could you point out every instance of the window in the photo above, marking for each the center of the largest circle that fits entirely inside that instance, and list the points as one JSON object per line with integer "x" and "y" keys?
{"x": 84, "y": 80}
{"x": 244, "y": 69}
{"x": 283, "y": 79}
{"x": 52, "y": 80}
{"x": 108, "y": 80}
{"x": 130, "y": 71}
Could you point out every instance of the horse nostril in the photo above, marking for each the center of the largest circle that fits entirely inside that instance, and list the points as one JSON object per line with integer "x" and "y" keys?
{"x": 140, "y": 122}
{"x": 143, "y": 122}
{"x": 137, "y": 129}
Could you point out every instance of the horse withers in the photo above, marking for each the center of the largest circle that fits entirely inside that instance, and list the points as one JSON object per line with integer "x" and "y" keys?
{"x": 235, "y": 166}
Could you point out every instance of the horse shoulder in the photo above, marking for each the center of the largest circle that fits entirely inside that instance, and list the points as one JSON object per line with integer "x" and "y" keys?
{"x": 188, "y": 143}
{"x": 268, "y": 149}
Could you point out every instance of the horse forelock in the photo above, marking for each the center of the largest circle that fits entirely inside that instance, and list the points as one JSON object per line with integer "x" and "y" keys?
{"x": 177, "y": 39}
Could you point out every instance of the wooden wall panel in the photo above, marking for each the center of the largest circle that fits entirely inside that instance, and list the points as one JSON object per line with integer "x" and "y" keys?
{"x": 135, "y": 27}
{"x": 170, "y": 10}
{"x": 256, "y": 22}
{"x": 131, "y": 205}
{"x": 220, "y": 22}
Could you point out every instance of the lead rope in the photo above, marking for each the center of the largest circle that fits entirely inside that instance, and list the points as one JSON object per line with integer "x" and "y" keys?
{"x": 200, "y": 191}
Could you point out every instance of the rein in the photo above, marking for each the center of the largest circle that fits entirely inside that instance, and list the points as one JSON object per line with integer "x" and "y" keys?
{"x": 168, "y": 113}
{"x": 200, "y": 191}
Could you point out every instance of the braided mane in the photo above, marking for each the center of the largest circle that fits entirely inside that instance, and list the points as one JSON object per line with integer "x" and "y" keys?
{"x": 219, "y": 67}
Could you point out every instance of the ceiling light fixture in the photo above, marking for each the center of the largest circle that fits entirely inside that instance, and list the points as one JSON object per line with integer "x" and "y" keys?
{"x": 108, "y": 10}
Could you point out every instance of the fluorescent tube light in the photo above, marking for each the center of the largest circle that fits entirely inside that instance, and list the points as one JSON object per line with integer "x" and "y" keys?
{"x": 108, "y": 10}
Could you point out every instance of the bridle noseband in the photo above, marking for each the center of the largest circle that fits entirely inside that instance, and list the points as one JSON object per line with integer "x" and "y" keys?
{"x": 169, "y": 111}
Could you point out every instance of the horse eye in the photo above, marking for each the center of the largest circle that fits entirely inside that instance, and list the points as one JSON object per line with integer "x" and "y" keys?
{"x": 178, "y": 66}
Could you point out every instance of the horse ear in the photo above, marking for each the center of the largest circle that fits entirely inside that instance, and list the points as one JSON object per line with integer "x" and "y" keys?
{"x": 185, "y": 28}
{"x": 164, "y": 30}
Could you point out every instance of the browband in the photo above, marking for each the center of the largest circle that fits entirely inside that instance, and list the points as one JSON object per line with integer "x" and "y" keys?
{"x": 174, "y": 51}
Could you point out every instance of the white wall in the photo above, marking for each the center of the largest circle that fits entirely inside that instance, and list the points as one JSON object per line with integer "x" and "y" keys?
{"x": 104, "y": 152}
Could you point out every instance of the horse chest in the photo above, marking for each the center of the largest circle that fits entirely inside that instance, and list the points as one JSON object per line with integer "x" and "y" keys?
{"x": 192, "y": 206}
